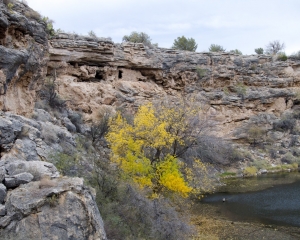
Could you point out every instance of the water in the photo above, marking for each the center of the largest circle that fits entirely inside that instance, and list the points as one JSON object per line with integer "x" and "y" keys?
{"x": 273, "y": 199}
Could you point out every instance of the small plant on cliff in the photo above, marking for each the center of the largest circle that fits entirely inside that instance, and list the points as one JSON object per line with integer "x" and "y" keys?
{"x": 49, "y": 26}
{"x": 259, "y": 50}
{"x": 99, "y": 129}
{"x": 216, "y": 48}
{"x": 255, "y": 134}
{"x": 241, "y": 90}
{"x": 139, "y": 37}
{"x": 10, "y": 6}
{"x": 48, "y": 93}
{"x": 53, "y": 200}
{"x": 236, "y": 51}
{"x": 183, "y": 43}
{"x": 281, "y": 56}
{"x": 201, "y": 72}
{"x": 92, "y": 34}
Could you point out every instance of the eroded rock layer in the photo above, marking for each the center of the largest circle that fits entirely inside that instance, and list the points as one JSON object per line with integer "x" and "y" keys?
{"x": 96, "y": 74}
{"x": 23, "y": 57}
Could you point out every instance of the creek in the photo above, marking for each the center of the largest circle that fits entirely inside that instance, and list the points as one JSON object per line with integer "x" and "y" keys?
{"x": 269, "y": 199}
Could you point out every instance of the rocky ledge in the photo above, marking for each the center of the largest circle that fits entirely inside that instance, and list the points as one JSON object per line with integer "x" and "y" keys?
{"x": 35, "y": 201}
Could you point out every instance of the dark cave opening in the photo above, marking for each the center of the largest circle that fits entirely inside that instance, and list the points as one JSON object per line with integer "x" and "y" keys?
{"x": 99, "y": 75}
{"x": 120, "y": 74}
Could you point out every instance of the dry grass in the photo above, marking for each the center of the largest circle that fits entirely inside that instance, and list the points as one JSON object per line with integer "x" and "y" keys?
{"x": 46, "y": 182}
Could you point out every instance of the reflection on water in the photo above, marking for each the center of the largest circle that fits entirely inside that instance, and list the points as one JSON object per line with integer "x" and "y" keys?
{"x": 273, "y": 199}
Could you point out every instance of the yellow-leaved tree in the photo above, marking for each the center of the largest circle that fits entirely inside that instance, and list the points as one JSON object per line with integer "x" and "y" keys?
{"x": 149, "y": 150}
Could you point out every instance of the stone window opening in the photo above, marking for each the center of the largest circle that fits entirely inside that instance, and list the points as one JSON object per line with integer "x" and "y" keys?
{"x": 99, "y": 75}
{"x": 120, "y": 74}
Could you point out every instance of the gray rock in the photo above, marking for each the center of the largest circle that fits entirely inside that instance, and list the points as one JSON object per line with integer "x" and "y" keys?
{"x": 2, "y": 193}
{"x": 2, "y": 210}
{"x": 10, "y": 182}
{"x": 67, "y": 210}
{"x": 7, "y": 131}
{"x": 3, "y": 25}
{"x": 17, "y": 180}
{"x": 23, "y": 178}
{"x": 42, "y": 115}
{"x": 38, "y": 169}
{"x": 2, "y": 174}
{"x": 68, "y": 124}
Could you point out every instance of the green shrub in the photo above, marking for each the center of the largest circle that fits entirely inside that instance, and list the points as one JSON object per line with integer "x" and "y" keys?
{"x": 236, "y": 51}
{"x": 201, "y": 72}
{"x": 282, "y": 56}
{"x": 65, "y": 164}
{"x": 288, "y": 158}
{"x": 250, "y": 171}
{"x": 183, "y": 43}
{"x": 228, "y": 174}
{"x": 10, "y": 6}
{"x": 289, "y": 166}
{"x": 216, "y": 48}
{"x": 49, "y": 26}
{"x": 92, "y": 34}
{"x": 259, "y": 50}
{"x": 226, "y": 90}
{"x": 285, "y": 125}
{"x": 260, "y": 164}
{"x": 53, "y": 200}
{"x": 139, "y": 37}
{"x": 255, "y": 134}
{"x": 241, "y": 90}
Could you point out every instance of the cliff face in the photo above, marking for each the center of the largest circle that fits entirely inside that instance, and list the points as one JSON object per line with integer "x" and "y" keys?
{"x": 23, "y": 57}
{"x": 35, "y": 201}
{"x": 96, "y": 74}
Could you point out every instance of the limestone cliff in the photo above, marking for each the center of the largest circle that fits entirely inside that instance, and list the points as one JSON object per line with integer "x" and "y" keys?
{"x": 23, "y": 57}
{"x": 97, "y": 74}
{"x": 35, "y": 201}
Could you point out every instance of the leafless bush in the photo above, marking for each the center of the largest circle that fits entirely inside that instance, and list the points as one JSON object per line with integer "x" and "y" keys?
{"x": 48, "y": 134}
{"x": 214, "y": 150}
{"x": 76, "y": 119}
{"x": 152, "y": 219}
{"x": 274, "y": 47}
{"x": 48, "y": 93}
{"x": 99, "y": 129}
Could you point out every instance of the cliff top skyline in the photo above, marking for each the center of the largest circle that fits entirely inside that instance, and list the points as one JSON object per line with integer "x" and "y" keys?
{"x": 243, "y": 25}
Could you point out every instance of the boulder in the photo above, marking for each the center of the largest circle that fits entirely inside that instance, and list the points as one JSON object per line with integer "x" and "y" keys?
{"x": 2, "y": 173}
{"x": 2, "y": 210}
{"x": 2, "y": 193}
{"x": 64, "y": 209}
{"x": 16, "y": 180}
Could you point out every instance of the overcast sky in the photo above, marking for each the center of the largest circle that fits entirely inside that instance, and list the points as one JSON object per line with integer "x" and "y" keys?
{"x": 233, "y": 24}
